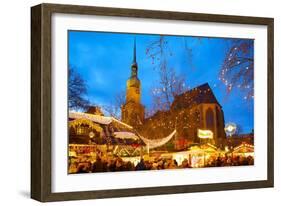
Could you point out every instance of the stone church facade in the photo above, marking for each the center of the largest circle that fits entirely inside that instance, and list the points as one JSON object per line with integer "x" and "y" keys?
{"x": 199, "y": 109}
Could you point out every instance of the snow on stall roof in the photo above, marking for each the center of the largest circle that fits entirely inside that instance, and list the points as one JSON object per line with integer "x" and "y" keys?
{"x": 126, "y": 135}
{"x": 96, "y": 118}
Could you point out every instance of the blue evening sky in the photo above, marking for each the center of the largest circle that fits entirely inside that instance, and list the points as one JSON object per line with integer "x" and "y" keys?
{"x": 104, "y": 62}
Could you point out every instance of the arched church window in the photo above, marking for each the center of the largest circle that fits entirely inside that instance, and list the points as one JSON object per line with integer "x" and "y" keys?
{"x": 218, "y": 115}
{"x": 210, "y": 118}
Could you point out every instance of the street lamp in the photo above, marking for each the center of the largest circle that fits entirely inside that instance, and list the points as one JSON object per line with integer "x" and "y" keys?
{"x": 230, "y": 129}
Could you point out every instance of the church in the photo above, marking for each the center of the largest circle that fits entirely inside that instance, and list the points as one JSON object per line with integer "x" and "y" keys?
{"x": 193, "y": 110}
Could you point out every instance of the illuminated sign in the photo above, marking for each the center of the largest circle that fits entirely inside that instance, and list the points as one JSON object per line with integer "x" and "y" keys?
{"x": 205, "y": 134}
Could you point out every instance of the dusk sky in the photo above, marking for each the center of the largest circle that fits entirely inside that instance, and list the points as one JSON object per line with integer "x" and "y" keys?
{"x": 104, "y": 62}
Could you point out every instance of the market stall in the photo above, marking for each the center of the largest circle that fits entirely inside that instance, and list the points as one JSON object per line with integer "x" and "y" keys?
{"x": 244, "y": 150}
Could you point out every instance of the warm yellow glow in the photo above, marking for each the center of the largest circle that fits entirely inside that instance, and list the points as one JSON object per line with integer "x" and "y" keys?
{"x": 244, "y": 146}
{"x": 226, "y": 148}
{"x": 79, "y": 122}
{"x": 91, "y": 134}
{"x": 205, "y": 134}
{"x": 72, "y": 154}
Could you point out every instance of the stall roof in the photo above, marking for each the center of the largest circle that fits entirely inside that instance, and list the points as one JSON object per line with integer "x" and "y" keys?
{"x": 244, "y": 148}
{"x": 115, "y": 131}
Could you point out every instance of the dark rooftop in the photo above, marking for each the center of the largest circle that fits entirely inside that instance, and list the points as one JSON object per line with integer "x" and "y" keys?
{"x": 195, "y": 96}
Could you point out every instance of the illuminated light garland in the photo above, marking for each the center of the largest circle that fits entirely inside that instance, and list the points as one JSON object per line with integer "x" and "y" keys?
{"x": 153, "y": 143}
{"x": 233, "y": 60}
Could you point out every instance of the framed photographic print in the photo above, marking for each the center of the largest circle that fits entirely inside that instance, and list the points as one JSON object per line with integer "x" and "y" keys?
{"x": 132, "y": 102}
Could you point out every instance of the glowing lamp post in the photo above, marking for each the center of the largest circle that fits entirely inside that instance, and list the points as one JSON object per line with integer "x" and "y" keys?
{"x": 230, "y": 129}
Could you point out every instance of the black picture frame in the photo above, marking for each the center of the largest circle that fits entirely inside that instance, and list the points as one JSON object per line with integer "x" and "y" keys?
{"x": 41, "y": 95}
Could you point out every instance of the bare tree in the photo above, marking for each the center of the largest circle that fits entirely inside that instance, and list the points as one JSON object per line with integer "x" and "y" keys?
{"x": 189, "y": 49}
{"x": 114, "y": 108}
{"x": 77, "y": 90}
{"x": 170, "y": 84}
{"x": 237, "y": 70}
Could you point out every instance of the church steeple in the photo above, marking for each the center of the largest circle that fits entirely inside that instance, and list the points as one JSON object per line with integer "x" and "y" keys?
{"x": 134, "y": 67}
{"x": 133, "y": 110}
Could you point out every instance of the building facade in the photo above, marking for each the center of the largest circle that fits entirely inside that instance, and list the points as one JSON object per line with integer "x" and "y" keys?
{"x": 198, "y": 109}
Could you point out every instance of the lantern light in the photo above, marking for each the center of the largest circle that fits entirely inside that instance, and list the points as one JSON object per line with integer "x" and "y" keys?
{"x": 230, "y": 128}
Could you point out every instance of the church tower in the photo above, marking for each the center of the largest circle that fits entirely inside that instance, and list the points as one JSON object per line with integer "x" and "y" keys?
{"x": 133, "y": 110}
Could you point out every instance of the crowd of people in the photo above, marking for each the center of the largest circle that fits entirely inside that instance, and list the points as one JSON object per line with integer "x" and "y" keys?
{"x": 118, "y": 164}
{"x": 114, "y": 164}
{"x": 229, "y": 160}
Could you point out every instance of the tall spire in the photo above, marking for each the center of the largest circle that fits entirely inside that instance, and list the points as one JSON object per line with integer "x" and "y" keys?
{"x": 135, "y": 52}
{"x": 134, "y": 67}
